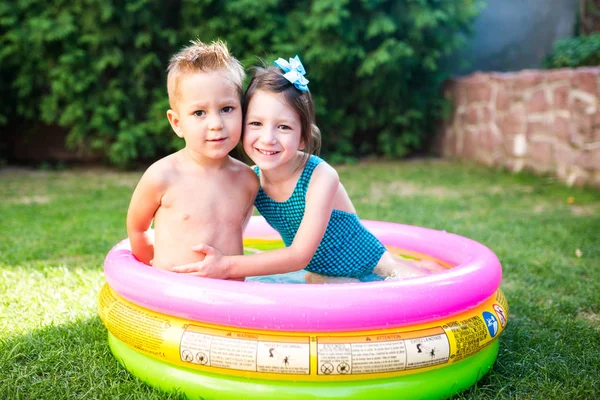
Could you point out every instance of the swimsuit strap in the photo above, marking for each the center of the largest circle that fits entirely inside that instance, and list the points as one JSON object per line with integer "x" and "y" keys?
{"x": 304, "y": 179}
{"x": 303, "y": 182}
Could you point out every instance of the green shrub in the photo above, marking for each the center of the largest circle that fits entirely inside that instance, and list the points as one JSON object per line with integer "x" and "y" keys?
{"x": 575, "y": 52}
{"x": 98, "y": 68}
{"x": 94, "y": 67}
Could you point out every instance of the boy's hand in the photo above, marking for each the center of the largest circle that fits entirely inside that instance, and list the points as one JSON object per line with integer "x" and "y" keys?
{"x": 211, "y": 267}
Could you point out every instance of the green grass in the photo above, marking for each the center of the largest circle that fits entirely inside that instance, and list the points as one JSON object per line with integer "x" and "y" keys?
{"x": 56, "y": 227}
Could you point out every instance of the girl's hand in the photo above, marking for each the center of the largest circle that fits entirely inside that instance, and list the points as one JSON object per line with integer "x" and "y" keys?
{"x": 213, "y": 265}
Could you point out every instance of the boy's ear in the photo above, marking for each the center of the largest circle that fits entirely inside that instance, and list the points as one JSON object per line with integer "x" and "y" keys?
{"x": 173, "y": 118}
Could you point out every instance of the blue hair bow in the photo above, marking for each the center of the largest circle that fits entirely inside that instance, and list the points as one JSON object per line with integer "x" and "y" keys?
{"x": 294, "y": 72}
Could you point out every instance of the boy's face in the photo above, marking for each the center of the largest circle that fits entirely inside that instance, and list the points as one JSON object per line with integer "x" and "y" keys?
{"x": 208, "y": 114}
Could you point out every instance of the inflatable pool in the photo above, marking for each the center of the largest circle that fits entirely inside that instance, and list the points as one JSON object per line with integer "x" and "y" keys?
{"x": 428, "y": 337}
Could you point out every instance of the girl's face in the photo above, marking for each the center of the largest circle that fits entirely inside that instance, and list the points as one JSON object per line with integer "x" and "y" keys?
{"x": 272, "y": 132}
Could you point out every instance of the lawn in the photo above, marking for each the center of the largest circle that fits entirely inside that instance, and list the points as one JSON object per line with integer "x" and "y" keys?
{"x": 56, "y": 227}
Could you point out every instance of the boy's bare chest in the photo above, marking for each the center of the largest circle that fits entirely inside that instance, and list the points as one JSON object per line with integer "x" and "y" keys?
{"x": 214, "y": 199}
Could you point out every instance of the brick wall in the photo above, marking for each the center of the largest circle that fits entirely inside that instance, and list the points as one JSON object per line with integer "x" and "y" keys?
{"x": 547, "y": 121}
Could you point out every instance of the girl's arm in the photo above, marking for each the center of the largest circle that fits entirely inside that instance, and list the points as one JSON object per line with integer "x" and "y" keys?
{"x": 320, "y": 196}
{"x": 145, "y": 201}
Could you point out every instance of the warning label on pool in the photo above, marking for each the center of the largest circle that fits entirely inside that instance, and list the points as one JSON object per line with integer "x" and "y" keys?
{"x": 427, "y": 351}
{"x": 382, "y": 353}
{"x": 303, "y": 356}
{"x": 245, "y": 351}
{"x": 469, "y": 335}
{"x": 119, "y": 317}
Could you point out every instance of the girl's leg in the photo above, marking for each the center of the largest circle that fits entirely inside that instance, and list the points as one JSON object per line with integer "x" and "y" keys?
{"x": 431, "y": 267}
{"x": 311, "y": 277}
{"x": 393, "y": 267}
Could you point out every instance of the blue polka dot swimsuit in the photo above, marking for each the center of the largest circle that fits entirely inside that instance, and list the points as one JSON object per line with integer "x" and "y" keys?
{"x": 347, "y": 249}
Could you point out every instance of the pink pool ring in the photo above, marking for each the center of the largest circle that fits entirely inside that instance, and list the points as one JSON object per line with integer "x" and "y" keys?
{"x": 474, "y": 278}
{"x": 428, "y": 337}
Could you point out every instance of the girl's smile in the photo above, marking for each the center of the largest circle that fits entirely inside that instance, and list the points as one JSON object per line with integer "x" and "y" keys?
{"x": 267, "y": 153}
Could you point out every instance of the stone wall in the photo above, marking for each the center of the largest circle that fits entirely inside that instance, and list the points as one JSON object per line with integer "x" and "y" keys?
{"x": 546, "y": 121}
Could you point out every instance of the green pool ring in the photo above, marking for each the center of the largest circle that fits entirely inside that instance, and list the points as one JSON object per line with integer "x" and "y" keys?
{"x": 434, "y": 384}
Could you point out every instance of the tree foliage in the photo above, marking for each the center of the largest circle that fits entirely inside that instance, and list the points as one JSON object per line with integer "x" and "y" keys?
{"x": 580, "y": 51}
{"x": 97, "y": 67}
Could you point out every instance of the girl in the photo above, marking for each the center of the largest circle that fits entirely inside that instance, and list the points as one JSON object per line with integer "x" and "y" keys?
{"x": 300, "y": 195}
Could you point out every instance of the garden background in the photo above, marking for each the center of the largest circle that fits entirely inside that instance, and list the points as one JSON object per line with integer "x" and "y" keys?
{"x": 91, "y": 75}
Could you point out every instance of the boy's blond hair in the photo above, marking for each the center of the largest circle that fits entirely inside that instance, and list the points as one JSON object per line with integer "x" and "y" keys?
{"x": 200, "y": 57}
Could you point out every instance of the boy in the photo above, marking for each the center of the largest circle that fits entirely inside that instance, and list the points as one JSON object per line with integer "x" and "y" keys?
{"x": 198, "y": 194}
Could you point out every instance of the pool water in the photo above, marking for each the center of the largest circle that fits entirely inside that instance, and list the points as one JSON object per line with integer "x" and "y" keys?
{"x": 253, "y": 246}
{"x": 298, "y": 277}
{"x": 291, "y": 277}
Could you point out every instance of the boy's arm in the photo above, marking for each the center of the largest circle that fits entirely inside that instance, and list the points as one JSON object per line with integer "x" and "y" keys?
{"x": 319, "y": 203}
{"x": 144, "y": 203}
{"x": 253, "y": 186}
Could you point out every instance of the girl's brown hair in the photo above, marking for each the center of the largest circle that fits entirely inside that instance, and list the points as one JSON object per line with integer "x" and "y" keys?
{"x": 271, "y": 79}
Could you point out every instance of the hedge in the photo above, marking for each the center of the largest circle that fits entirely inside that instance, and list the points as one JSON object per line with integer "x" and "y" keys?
{"x": 580, "y": 51}
{"x": 97, "y": 68}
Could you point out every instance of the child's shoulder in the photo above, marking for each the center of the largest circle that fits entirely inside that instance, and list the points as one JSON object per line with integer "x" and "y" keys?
{"x": 162, "y": 171}
{"x": 243, "y": 171}
{"x": 239, "y": 166}
{"x": 164, "y": 165}
{"x": 322, "y": 168}
{"x": 323, "y": 177}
